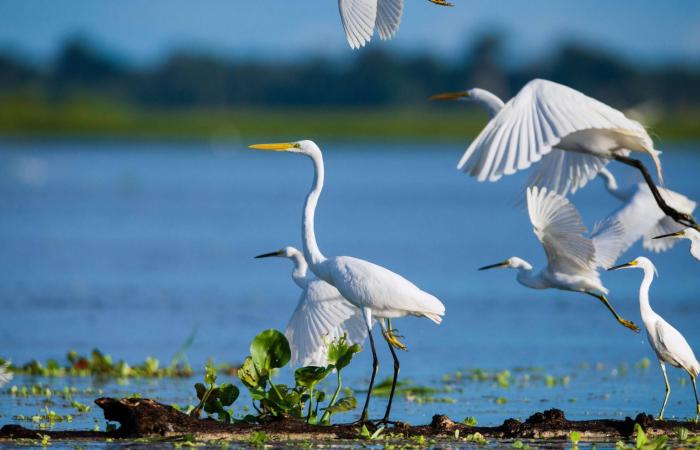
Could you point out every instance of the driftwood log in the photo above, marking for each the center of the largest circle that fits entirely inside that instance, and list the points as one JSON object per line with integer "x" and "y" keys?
{"x": 145, "y": 418}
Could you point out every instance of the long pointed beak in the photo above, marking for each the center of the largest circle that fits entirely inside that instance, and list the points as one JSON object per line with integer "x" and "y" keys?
{"x": 267, "y": 255}
{"x": 278, "y": 147}
{"x": 449, "y": 96}
{"x": 623, "y": 266}
{"x": 494, "y": 266}
{"x": 441, "y": 2}
{"x": 676, "y": 234}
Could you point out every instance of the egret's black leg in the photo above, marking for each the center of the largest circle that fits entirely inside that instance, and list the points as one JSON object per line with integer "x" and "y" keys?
{"x": 624, "y": 322}
{"x": 668, "y": 390}
{"x": 375, "y": 368}
{"x": 397, "y": 367}
{"x": 682, "y": 218}
{"x": 697, "y": 401}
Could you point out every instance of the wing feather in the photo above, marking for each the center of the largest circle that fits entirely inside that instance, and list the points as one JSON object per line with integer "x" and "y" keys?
{"x": 358, "y": 17}
{"x": 565, "y": 172}
{"x": 389, "y": 14}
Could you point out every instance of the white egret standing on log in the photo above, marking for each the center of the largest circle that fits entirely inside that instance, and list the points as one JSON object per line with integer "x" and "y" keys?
{"x": 572, "y": 259}
{"x": 321, "y": 316}
{"x": 545, "y": 116}
{"x": 361, "y": 17}
{"x": 640, "y": 217}
{"x": 690, "y": 234}
{"x": 378, "y": 292}
{"x": 668, "y": 343}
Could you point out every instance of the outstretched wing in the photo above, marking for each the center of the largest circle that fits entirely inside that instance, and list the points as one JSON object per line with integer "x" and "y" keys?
{"x": 358, "y": 18}
{"x": 389, "y": 14}
{"x": 609, "y": 241}
{"x": 666, "y": 225}
{"x": 321, "y": 316}
{"x": 532, "y": 123}
{"x": 558, "y": 226}
{"x": 565, "y": 172}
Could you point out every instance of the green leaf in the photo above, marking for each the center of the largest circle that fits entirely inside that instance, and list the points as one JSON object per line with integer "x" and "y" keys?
{"x": 309, "y": 376}
{"x": 575, "y": 437}
{"x": 228, "y": 394}
{"x": 641, "y": 436}
{"x": 270, "y": 350}
{"x": 340, "y": 353}
{"x": 248, "y": 375}
{"x": 201, "y": 390}
{"x": 343, "y": 405}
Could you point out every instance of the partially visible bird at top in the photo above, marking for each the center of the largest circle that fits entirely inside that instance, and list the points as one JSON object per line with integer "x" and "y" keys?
{"x": 573, "y": 260}
{"x": 640, "y": 217}
{"x": 361, "y": 17}
{"x": 690, "y": 234}
{"x": 668, "y": 343}
{"x": 546, "y": 116}
{"x": 377, "y": 291}
{"x": 322, "y": 315}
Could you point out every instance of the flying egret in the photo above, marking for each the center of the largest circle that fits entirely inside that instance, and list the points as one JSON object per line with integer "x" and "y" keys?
{"x": 545, "y": 116}
{"x": 692, "y": 235}
{"x": 361, "y": 17}
{"x": 378, "y": 292}
{"x": 640, "y": 217}
{"x": 572, "y": 259}
{"x": 321, "y": 316}
{"x": 668, "y": 343}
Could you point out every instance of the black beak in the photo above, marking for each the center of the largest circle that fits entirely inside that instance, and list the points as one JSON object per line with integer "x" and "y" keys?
{"x": 494, "y": 266}
{"x": 621, "y": 266}
{"x": 267, "y": 255}
{"x": 677, "y": 233}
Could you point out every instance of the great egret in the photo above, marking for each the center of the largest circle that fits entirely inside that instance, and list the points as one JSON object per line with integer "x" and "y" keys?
{"x": 360, "y": 17}
{"x": 668, "y": 343}
{"x": 572, "y": 259}
{"x": 692, "y": 235}
{"x": 378, "y": 292}
{"x": 640, "y": 217}
{"x": 545, "y": 116}
{"x": 321, "y": 316}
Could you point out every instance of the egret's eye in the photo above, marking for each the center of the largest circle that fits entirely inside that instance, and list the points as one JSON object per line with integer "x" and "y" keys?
{"x": 297, "y": 145}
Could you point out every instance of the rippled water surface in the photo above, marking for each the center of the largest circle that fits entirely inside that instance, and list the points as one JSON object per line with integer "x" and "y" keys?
{"x": 130, "y": 246}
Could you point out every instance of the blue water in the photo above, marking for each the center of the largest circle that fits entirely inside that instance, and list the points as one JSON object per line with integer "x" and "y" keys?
{"x": 129, "y": 246}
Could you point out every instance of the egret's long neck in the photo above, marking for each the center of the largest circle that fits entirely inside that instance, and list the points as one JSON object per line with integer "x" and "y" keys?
{"x": 311, "y": 252}
{"x": 694, "y": 238}
{"x": 527, "y": 277}
{"x": 300, "y": 272}
{"x": 644, "y": 306}
{"x": 488, "y": 101}
{"x": 611, "y": 184}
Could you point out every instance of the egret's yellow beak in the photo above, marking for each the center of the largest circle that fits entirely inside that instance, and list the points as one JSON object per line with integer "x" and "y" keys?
{"x": 624, "y": 266}
{"x": 676, "y": 234}
{"x": 279, "y": 147}
{"x": 441, "y": 2}
{"x": 449, "y": 96}
{"x": 494, "y": 266}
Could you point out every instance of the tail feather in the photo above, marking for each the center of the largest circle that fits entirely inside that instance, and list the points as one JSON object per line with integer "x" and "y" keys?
{"x": 437, "y": 318}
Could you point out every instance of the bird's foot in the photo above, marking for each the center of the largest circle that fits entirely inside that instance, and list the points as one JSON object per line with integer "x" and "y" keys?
{"x": 441, "y": 2}
{"x": 629, "y": 324}
{"x": 393, "y": 340}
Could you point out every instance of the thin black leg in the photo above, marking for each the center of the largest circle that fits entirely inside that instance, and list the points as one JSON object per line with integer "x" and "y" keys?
{"x": 397, "y": 367}
{"x": 375, "y": 368}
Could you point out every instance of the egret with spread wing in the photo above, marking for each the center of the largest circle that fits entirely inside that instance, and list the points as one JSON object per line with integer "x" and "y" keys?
{"x": 571, "y": 135}
{"x": 690, "y": 234}
{"x": 321, "y": 316}
{"x": 668, "y": 343}
{"x": 361, "y": 17}
{"x": 641, "y": 218}
{"x": 573, "y": 260}
{"x": 378, "y": 292}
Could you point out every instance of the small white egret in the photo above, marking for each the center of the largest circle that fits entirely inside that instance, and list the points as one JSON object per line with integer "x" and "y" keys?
{"x": 641, "y": 218}
{"x": 668, "y": 343}
{"x": 690, "y": 234}
{"x": 360, "y": 17}
{"x": 321, "y": 316}
{"x": 5, "y": 374}
{"x": 378, "y": 292}
{"x": 572, "y": 259}
{"x": 545, "y": 116}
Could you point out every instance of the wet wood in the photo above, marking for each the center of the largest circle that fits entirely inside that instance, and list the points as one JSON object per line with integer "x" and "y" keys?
{"x": 145, "y": 418}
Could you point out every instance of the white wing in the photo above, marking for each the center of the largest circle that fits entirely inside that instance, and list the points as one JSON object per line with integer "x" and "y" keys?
{"x": 5, "y": 374}
{"x": 358, "y": 18}
{"x": 672, "y": 347}
{"x": 558, "y": 226}
{"x": 565, "y": 172}
{"x": 321, "y": 316}
{"x": 609, "y": 241}
{"x": 666, "y": 225}
{"x": 368, "y": 285}
{"x": 534, "y": 121}
{"x": 389, "y": 14}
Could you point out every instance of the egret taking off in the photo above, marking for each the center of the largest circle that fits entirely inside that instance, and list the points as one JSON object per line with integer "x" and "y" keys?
{"x": 572, "y": 259}
{"x": 378, "y": 292}
{"x": 361, "y": 17}
{"x": 545, "y": 116}
{"x": 321, "y": 316}
{"x": 668, "y": 343}
{"x": 641, "y": 218}
{"x": 689, "y": 233}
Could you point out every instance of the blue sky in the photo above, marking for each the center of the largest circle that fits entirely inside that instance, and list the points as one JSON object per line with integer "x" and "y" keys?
{"x": 145, "y": 30}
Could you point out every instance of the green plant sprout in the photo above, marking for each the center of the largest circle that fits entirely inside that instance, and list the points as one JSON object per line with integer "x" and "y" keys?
{"x": 214, "y": 399}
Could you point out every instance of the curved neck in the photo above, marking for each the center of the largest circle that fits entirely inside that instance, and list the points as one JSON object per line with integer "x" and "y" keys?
{"x": 489, "y": 101}
{"x": 644, "y": 306}
{"x": 694, "y": 238}
{"x": 527, "y": 277}
{"x": 311, "y": 251}
{"x": 299, "y": 274}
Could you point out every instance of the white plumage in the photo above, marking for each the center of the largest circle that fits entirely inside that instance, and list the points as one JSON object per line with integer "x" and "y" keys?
{"x": 690, "y": 234}
{"x": 668, "y": 343}
{"x": 5, "y": 374}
